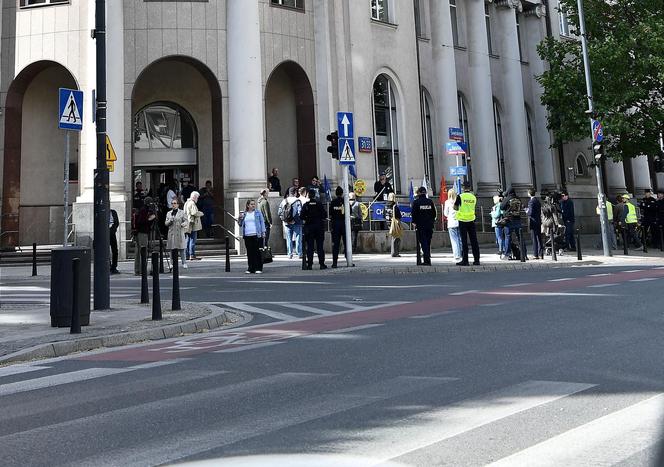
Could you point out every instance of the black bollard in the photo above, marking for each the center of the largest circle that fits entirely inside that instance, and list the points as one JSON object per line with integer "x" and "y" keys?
{"x": 175, "y": 301}
{"x": 156, "y": 296}
{"x": 75, "y": 316}
{"x": 554, "y": 254}
{"x": 522, "y": 245}
{"x": 661, "y": 238}
{"x": 34, "y": 259}
{"x": 161, "y": 254}
{"x": 579, "y": 255}
{"x": 228, "y": 254}
{"x": 644, "y": 237}
{"x": 624, "y": 239}
{"x": 145, "y": 295}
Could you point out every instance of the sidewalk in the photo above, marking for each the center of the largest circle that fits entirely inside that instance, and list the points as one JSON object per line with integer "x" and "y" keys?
{"x": 25, "y": 331}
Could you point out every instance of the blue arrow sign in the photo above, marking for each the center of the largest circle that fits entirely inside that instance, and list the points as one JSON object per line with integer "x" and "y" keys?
{"x": 345, "y": 125}
{"x": 598, "y": 131}
{"x": 70, "y": 116}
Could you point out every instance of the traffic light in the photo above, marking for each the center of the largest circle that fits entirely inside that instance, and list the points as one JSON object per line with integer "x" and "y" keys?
{"x": 598, "y": 149}
{"x": 333, "y": 148}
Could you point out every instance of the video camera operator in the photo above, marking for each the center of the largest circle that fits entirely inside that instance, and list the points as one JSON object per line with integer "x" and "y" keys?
{"x": 144, "y": 230}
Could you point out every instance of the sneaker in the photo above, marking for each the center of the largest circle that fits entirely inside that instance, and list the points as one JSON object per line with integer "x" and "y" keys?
{"x": 462, "y": 263}
{"x": 259, "y": 272}
{"x": 184, "y": 266}
{"x": 247, "y": 272}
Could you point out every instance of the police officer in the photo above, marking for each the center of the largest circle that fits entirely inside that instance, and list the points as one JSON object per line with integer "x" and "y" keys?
{"x": 424, "y": 217}
{"x": 629, "y": 220}
{"x": 660, "y": 215}
{"x": 465, "y": 207}
{"x": 313, "y": 218}
{"x": 338, "y": 224}
{"x": 648, "y": 207}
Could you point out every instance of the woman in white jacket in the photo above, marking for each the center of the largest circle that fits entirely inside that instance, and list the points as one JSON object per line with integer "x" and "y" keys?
{"x": 177, "y": 223}
{"x": 452, "y": 223}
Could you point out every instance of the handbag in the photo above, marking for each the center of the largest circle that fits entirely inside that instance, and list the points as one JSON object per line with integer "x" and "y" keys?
{"x": 396, "y": 229}
{"x": 266, "y": 253}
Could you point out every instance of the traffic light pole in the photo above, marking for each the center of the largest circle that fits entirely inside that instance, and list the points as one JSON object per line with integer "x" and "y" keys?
{"x": 101, "y": 242}
{"x": 601, "y": 196}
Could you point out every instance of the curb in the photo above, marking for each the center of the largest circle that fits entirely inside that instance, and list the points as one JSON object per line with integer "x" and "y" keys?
{"x": 217, "y": 318}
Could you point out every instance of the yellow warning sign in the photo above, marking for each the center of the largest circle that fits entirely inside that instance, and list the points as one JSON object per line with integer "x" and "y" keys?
{"x": 111, "y": 157}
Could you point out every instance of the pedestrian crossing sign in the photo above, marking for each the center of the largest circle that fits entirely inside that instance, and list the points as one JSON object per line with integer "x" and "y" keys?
{"x": 71, "y": 109}
{"x": 346, "y": 151}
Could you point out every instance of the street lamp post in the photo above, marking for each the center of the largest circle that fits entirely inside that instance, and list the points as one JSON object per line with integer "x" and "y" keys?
{"x": 102, "y": 274}
{"x": 601, "y": 196}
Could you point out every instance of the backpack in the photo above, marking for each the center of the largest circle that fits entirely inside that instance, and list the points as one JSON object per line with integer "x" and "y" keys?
{"x": 287, "y": 213}
{"x": 514, "y": 208}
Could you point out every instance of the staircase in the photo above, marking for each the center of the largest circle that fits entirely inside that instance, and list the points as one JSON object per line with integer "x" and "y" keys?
{"x": 204, "y": 247}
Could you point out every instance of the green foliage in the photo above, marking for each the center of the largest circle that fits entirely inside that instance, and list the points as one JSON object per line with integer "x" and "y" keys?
{"x": 626, "y": 50}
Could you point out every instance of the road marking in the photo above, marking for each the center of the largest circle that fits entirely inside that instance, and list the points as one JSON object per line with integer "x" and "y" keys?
{"x": 561, "y": 279}
{"x": 417, "y": 286}
{"x": 252, "y": 309}
{"x": 400, "y": 437}
{"x": 432, "y": 315}
{"x": 608, "y": 440}
{"x": 645, "y": 279}
{"x": 58, "y": 380}
{"x": 599, "y": 286}
{"x": 354, "y": 328}
{"x": 310, "y": 309}
{"x": 636, "y": 270}
{"x": 20, "y": 369}
{"x": 248, "y": 347}
{"x": 493, "y": 304}
{"x": 283, "y": 282}
{"x": 518, "y": 285}
{"x": 465, "y": 292}
{"x": 601, "y": 275}
{"x": 548, "y": 294}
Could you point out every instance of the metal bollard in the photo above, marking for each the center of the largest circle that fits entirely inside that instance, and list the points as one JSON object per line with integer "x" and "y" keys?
{"x": 161, "y": 254}
{"x": 75, "y": 327}
{"x": 624, "y": 239}
{"x": 522, "y": 245}
{"x": 554, "y": 254}
{"x": 34, "y": 259}
{"x": 644, "y": 237}
{"x": 175, "y": 301}
{"x": 579, "y": 255}
{"x": 156, "y": 296}
{"x": 228, "y": 254}
{"x": 145, "y": 295}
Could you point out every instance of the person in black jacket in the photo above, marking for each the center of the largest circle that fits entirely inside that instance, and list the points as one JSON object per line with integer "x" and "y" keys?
{"x": 313, "y": 218}
{"x": 567, "y": 211}
{"x": 534, "y": 211}
{"x": 338, "y": 224}
{"x": 511, "y": 208}
{"x": 424, "y": 217}
{"x": 113, "y": 224}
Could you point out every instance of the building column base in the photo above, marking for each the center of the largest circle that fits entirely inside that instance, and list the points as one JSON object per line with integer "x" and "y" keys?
{"x": 521, "y": 189}
{"x": 549, "y": 187}
{"x": 487, "y": 189}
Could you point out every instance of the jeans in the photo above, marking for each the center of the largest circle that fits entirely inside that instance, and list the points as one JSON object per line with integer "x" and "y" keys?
{"x": 455, "y": 240}
{"x": 191, "y": 244}
{"x": 512, "y": 227}
{"x": 267, "y": 234}
{"x": 294, "y": 234}
{"x": 500, "y": 238}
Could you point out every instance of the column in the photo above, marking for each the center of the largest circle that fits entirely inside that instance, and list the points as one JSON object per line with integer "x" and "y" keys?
{"x": 535, "y": 28}
{"x": 444, "y": 68}
{"x": 246, "y": 122}
{"x": 115, "y": 118}
{"x": 516, "y": 137}
{"x": 641, "y": 171}
{"x": 615, "y": 179}
{"x": 485, "y": 161}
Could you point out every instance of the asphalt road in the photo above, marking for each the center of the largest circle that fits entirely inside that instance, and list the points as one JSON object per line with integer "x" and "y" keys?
{"x": 553, "y": 367}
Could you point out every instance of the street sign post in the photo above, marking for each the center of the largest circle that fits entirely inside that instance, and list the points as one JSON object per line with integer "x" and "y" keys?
{"x": 346, "y": 158}
{"x": 70, "y": 118}
{"x": 598, "y": 131}
{"x": 457, "y": 149}
{"x": 458, "y": 171}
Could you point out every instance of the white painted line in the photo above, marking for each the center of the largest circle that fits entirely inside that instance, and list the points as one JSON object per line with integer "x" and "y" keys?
{"x": 645, "y": 279}
{"x": 601, "y": 275}
{"x": 599, "y": 286}
{"x": 20, "y": 369}
{"x": 242, "y": 348}
{"x": 310, "y": 309}
{"x": 465, "y": 292}
{"x": 608, "y": 440}
{"x": 355, "y": 328}
{"x": 562, "y": 279}
{"x": 547, "y": 294}
{"x": 57, "y": 380}
{"x": 432, "y": 315}
{"x": 636, "y": 270}
{"x": 146, "y": 366}
{"x": 283, "y": 282}
{"x": 493, "y": 304}
{"x": 262, "y": 311}
{"x": 419, "y": 286}
{"x": 518, "y": 285}
{"x": 400, "y": 437}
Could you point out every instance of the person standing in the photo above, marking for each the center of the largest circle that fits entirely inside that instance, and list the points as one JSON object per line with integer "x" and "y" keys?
{"x": 498, "y": 228}
{"x": 629, "y": 221}
{"x": 206, "y": 205}
{"x": 512, "y": 208}
{"x": 139, "y": 196}
{"x": 534, "y": 212}
{"x": 291, "y": 216}
{"x": 113, "y": 224}
{"x": 273, "y": 180}
{"x": 452, "y": 223}
{"x": 567, "y": 211}
{"x": 176, "y": 221}
{"x": 264, "y": 208}
{"x": 660, "y": 216}
{"x": 355, "y": 218}
{"x": 393, "y": 218}
{"x": 252, "y": 229}
{"x": 338, "y": 221}
{"x": 424, "y": 217}
{"x": 465, "y": 206}
{"x": 315, "y": 185}
{"x": 194, "y": 224}
{"x": 313, "y": 218}
{"x": 188, "y": 189}
{"x": 648, "y": 206}
{"x": 382, "y": 188}
{"x": 143, "y": 228}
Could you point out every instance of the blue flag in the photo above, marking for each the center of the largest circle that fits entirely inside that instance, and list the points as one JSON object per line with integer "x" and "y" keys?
{"x": 351, "y": 170}
{"x": 411, "y": 192}
{"x": 327, "y": 189}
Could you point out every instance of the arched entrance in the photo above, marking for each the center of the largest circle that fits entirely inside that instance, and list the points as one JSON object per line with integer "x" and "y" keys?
{"x": 32, "y": 196}
{"x": 177, "y": 127}
{"x": 290, "y": 124}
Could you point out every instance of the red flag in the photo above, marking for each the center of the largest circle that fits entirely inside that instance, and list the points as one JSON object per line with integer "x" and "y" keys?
{"x": 443, "y": 193}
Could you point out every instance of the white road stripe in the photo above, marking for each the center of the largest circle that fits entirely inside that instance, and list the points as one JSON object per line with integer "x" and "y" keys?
{"x": 601, "y": 275}
{"x": 355, "y": 328}
{"x": 20, "y": 369}
{"x": 465, "y": 292}
{"x": 432, "y": 315}
{"x": 518, "y": 285}
{"x": 599, "y": 286}
{"x": 262, "y": 311}
{"x": 645, "y": 279}
{"x": 242, "y": 348}
{"x": 548, "y": 294}
{"x": 310, "y": 309}
{"x": 57, "y": 380}
{"x": 561, "y": 279}
{"x": 430, "y": 427}
{"x": 608, "y": 440}
{"x": 636, "y": 270}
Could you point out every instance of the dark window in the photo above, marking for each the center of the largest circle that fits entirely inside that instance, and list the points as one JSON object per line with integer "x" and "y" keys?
{"x": 31, "y": 3}
{"x": 455, "y": 24}
{"x": 296, "y": 4}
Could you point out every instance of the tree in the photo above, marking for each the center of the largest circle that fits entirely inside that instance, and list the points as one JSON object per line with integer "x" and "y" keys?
{"x": 626, "y": 50}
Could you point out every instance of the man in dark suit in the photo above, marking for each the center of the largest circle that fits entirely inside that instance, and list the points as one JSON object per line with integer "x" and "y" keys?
{"x": 534, "y": 212}
{"x": 113, "y": 224}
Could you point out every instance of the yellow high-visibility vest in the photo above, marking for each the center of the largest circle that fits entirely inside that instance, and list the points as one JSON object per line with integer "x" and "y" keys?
{"x": 466, "y": 211}
{"x": 609, "y": 211}
{"x": 631, "y": 214}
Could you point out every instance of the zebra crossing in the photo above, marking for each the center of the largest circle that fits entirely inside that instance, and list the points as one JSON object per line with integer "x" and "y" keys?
{"x": 41, "y": 295}
{"x": 292, "y": 311}
{"x": 391, "y": 419}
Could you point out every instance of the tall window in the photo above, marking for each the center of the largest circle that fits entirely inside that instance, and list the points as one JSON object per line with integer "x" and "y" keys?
{"x": 428, "y": 142}
{"x": 498, "y": 128}
{"x": 380, "y": 10}
{"x": 487, "y": 19}
{"x": 518, "y": 36}
{"x": 531, "y": 148}
{"x": 563, "y": 22}
{"x": 419, "y": 29}
{"x": 297, "y": 4}
{"x": 385, "y": 127}
{"x": 463, "y": 124}
{"x": 455, "y": 23}
{"x": 164, "y": 126}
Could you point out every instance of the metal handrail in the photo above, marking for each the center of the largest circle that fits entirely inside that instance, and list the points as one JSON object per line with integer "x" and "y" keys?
{"x": 227, "y": 231}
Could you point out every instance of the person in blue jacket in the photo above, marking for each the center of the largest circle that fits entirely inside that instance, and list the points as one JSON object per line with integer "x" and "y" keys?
{"x": 252, "y": 228}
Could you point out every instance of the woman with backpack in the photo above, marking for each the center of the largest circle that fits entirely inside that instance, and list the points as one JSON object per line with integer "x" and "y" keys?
{"x": 512, "y": 208}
